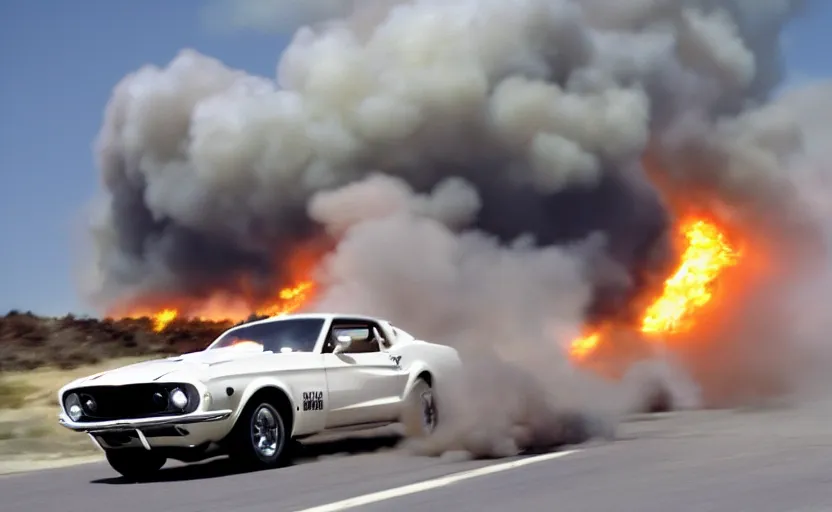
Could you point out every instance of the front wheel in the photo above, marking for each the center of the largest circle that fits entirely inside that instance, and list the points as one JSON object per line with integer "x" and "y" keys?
{"x": 259, "y": 437}
{"x": 135, "y": 464}
{"x": 420, "y": 415}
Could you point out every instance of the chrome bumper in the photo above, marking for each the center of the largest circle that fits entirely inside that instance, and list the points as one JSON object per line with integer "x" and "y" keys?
{"x": 121, "y": 425}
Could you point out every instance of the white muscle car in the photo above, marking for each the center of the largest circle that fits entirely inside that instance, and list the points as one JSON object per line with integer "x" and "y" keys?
{"x": 258, "y": 387}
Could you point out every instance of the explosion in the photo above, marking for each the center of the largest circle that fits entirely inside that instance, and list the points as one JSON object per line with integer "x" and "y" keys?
{"x": 477, "y": 169}
{"x": 707, "y": 254}
{"x": 686, "y": 292}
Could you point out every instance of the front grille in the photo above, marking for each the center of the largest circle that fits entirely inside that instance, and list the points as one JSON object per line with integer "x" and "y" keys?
{"x": 132, "y": 401}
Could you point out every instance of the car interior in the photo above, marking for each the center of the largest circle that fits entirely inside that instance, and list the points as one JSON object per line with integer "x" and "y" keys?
{"x": 366, "y": 336}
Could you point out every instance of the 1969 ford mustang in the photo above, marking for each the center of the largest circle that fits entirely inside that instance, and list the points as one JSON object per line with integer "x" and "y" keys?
{"x": 258, "y": 387}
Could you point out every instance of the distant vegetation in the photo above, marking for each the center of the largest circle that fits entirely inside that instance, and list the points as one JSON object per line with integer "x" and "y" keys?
{"x": 28, "y": 341}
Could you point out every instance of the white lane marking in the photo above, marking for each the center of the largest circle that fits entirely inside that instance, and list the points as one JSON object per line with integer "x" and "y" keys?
{"x": 433, "y": 484}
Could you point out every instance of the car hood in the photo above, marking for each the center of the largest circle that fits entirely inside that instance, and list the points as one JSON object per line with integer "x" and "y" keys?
{"x": 197, "y": 364}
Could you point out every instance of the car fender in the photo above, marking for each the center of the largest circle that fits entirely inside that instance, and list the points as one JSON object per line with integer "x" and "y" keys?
{"x": 259, "y": 384}
{"x": 416, "y": 369}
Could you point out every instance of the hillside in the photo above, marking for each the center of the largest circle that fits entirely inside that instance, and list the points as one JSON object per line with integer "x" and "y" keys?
{"x": 28, "y": 341}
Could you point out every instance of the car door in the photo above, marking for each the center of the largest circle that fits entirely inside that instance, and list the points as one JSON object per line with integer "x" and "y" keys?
{"x": 288, "y": 358}
{"x": 365, "y": 382}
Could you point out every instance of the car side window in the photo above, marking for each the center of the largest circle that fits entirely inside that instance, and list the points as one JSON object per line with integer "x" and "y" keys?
{"x": 365, "y": 336}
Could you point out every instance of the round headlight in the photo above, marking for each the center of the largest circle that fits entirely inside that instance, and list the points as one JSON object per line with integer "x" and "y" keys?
{"x": 178, "y": 398}
{"x": 75, "y": 412}
{"x": 73, "y": 407}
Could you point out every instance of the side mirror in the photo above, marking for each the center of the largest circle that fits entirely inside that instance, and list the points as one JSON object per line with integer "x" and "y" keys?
{"x": 343, "y": 343}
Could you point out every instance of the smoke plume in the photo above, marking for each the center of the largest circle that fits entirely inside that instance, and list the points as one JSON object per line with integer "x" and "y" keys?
{"x": 493, "y": 174}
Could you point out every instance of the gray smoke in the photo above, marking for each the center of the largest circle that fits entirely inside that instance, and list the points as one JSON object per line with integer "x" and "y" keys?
{"x": 508, "y": 309}
{"x": 771, "y": 168}
{"x": 478, "y": 165}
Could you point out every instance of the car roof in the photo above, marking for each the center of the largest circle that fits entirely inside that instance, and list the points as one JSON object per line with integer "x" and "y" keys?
{"x": 321, "y": 316}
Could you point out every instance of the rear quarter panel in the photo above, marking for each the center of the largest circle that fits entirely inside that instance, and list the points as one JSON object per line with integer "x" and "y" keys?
{"x": 440, "y": 361}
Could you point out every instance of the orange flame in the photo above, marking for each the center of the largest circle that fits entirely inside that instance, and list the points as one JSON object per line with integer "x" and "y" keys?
{"x": 585, "y": 345}
{"x": 288, "y": 301}
{"x": 236, "y": 307}
{"x": 163, "y": 318}
{"x": 706, "y": 256}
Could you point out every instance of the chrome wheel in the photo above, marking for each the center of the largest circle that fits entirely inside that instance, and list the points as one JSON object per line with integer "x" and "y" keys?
{"x": 260, "y": 436}
{"x": 265, "y": 431}
{"x": 420, "y": 416}
{"x": 428, "y": 411}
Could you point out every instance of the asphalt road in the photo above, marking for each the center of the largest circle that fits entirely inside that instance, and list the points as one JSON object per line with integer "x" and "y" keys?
{"x": 768, "y": 460}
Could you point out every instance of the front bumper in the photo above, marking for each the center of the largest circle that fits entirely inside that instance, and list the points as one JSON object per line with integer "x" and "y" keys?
{"x": 135, "y": 424}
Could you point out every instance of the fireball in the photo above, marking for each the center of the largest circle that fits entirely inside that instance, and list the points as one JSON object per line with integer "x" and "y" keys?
{"x": 690, "y": 288}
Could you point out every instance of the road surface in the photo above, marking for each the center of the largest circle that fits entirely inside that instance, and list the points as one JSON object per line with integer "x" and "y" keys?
{"x": 765, "y": 460}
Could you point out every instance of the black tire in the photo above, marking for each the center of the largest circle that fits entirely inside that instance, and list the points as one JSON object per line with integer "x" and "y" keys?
{"x": 420, "y": 416}
{"x": 135, "y": 464}
{"x": 259, "y": 439}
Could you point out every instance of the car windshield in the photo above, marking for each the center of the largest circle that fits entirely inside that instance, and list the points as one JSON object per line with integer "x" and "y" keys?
{"x": 290, "y": 335}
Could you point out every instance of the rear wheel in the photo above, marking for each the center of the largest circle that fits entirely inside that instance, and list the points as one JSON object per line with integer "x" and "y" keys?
{"x": 135, "y": 464}
{"x": 420, "y": 415}
{"x": 259, "y": 437}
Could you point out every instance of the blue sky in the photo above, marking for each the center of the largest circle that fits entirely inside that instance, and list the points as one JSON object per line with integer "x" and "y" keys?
{"x": 59, "y": 61}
